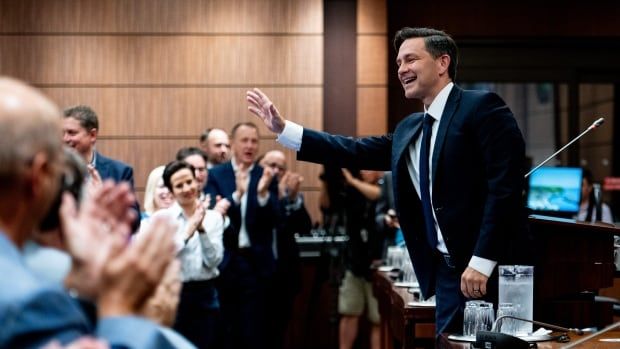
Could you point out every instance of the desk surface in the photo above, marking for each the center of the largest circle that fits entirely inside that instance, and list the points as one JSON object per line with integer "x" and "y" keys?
{"x": 607, "y": 340}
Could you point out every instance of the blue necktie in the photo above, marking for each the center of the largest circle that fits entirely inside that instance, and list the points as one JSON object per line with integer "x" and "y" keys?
{"x": 425, "y": 194}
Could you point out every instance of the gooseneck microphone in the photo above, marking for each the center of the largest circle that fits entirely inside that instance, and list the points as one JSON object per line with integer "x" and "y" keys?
{"x": 595, "y": 334}
{"x": 594, "y": 125}
{"x": 498, "y": 340}
{"x": 497, "y": 325}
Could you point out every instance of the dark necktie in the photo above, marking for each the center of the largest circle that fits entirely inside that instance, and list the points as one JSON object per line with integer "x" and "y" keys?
{"x": 425, "y": 195}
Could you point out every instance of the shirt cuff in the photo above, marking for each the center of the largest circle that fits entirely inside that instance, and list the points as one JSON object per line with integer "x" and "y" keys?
{"x": 482, "y": 265}
{"x": 291, "y": 135}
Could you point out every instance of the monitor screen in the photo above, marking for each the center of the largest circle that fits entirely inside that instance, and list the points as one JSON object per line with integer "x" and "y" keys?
{"x": 555, "y": 190}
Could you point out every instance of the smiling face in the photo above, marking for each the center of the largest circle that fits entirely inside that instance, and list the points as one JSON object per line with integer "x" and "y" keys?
{"x": 78, "y": 138}
{"x": 184, "y": 187}
{"x": 421, "y": 75}
{"x": 162, "y": 198}
{"x": 245, "y": 144}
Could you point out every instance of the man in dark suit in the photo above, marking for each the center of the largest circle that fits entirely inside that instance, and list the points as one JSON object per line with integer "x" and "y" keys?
{"x": 80, "y": 129}
{"x": 456, "y": 168}
{"x": 248, "y": 263}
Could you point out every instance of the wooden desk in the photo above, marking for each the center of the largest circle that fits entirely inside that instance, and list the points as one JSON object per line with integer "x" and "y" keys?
{"x": 595, "y": 343}
{"x": 402, "y": 326}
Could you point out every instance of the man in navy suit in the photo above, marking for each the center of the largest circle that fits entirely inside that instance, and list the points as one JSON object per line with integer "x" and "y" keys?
{"x": 248, "y": 263}
{"x": 457, "y": 173}
{"x": 80, "y": 130}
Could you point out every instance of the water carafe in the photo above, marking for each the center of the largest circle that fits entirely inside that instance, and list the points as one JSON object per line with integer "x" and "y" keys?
{"x": 516, "y": 286}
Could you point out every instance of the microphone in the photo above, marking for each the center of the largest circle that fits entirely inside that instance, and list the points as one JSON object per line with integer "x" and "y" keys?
{"x": 497, "y": 325}
{"x": 595, "y": 334}
{"x": 594, "y": 125}
{"x": 498, "y": 340}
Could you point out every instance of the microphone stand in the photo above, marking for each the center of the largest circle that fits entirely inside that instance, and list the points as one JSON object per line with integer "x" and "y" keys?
{"x": 497, "y": 325}
{"x": 595, "y": 334}
{"x": 594, "y": 125}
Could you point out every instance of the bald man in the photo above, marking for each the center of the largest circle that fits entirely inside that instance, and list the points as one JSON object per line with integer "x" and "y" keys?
{"x": 34, "y": 312}
{"x": 294, "y": 219}
{"x": 216, "y": 144}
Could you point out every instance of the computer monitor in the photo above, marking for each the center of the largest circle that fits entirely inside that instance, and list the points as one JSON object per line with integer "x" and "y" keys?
{"x": 555, "y": 191}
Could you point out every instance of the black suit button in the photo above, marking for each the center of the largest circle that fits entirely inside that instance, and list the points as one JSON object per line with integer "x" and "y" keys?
{"x": 437, "y": 209}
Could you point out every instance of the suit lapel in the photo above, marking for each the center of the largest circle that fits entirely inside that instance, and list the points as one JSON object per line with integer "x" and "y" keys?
{"x": 410, "y": 130}
{"x": 446, "y": 119}
{"x": 101, "y": 165}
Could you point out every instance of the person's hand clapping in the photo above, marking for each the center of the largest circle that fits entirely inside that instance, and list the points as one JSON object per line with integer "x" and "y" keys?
{"x": 265, "y": 181}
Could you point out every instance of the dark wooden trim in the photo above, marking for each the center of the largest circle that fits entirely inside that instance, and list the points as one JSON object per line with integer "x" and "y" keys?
{"x": 340, "y": 67}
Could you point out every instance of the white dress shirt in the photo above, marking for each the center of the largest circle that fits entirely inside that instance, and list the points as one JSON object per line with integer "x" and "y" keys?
{"x": 291, "y": 137}
{"x": 244, "y": 237}
{"x": 203, "y": 252}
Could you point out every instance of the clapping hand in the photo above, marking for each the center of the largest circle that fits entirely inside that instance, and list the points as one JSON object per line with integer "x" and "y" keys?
{"x": 91, "y": 235}
{"x": 265, "y": 181}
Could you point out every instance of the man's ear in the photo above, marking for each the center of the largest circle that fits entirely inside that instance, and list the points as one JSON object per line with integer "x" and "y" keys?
{"x": 93, "y": 134}
{"x": 443, "y": 62}
{"x": 38, "y": 175}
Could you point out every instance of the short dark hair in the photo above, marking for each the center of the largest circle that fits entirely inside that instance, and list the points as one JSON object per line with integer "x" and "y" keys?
{"x": 437, "y": 43}
{"x": 174, "y": 167}
{"x": 183, "y": 153}
{"x": 245, "y": 123}
{"x": 85, "y": 115}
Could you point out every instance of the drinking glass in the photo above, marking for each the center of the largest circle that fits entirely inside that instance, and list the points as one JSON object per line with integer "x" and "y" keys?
{"x": 507, "y": 325}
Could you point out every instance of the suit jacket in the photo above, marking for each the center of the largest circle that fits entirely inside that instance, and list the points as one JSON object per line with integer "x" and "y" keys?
{"x": 477, "y": 179}
{"x": 119, "y": 172}
{"x": 259, "y": 221}
{"x": 33, "y": 312}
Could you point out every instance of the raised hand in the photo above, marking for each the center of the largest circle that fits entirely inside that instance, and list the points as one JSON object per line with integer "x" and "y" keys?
{"x": 261, "y": 106}
{"x": 265, "y": 181}
{"x": 293, "y": 183}
{"x": 131, "y": 275}
{"x": 99, "y": 229}
{"x": 221, "y": 205}
{"x": 241, "y": 181}
{"x": 195, "y": 221}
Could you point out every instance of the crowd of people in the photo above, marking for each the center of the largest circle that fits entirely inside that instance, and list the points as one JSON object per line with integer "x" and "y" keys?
{"x": 213, "y": 256}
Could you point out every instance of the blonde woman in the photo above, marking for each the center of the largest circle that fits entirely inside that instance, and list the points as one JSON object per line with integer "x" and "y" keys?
{"x": 156, "y": 195}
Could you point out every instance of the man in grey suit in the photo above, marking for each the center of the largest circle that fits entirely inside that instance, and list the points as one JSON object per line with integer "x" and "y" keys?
{"x": 34, "y": 312}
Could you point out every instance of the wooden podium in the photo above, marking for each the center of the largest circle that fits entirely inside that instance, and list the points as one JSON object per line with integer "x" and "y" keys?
{"x": 574, "y": 261}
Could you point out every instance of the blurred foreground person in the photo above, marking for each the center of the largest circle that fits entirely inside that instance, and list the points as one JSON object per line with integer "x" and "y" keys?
{"x": 34, "y": 312}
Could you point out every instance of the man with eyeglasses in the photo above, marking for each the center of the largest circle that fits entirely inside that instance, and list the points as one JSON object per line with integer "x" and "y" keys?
{"x": 198, "y": 159}
{"x": 294, "y": 220}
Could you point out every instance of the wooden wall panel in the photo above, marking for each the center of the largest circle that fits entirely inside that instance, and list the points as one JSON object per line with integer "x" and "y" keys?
{"x": 161, "y": 16}
{"x": 158, "y": 72}
{"x": 184, "y": 111}
{"x": 131, "y": 60}
{"x": 371, "y": 111}
{"x": 371, "y": 17}
{"x": 372, "y": 56}
{"x": 371, "y": 60}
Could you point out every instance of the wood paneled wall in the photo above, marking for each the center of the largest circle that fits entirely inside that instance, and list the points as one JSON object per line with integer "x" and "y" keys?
{"x": 372, "y": 45}
{"x": 158, "y": 72}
